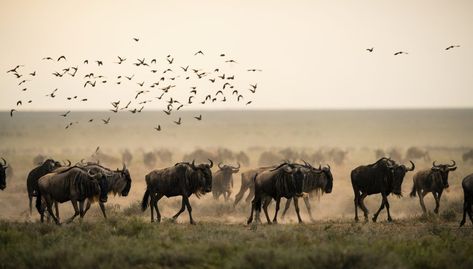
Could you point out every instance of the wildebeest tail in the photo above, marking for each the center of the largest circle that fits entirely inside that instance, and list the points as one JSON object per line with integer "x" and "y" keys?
{"x": 38, "y": 202}
{"x": 145, "y": 201}
{"x": 413, "y": 191}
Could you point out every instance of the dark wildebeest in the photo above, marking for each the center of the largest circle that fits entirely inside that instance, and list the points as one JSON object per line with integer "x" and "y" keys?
{"x": 183, "y": 179}
{"x": 74, "y": 184}
{"x": 222, "y": 181}
{"x": 46, "y": 167}
{"x": 284, "y": 180}
{"x": 433, "y": 180}
{"x": 3, "y": 176}
{"x": 467, "y": 185}
{"x": 384, "y": 177}
{"x": 313, "y": 183}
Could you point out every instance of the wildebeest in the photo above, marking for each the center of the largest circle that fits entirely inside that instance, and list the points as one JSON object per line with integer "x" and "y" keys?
{"x": 46, "y": 167}
{"x": 467, "y": 185}
{"x": 3, "y": 176}
{"x": 384, "y": 177}
{"x": 313, "y": 184}
{"x": 468, "y": 155}
{"x": 417, "y": 153}
{"x": 73, "y": 184}
{"x": 433, "y": 180}
{"x": 183, "y": 179}
{"x": 222, "y": 181}
{"x": 283, "y": 181}
{"x": 247, "y": 183}
{"x": 118, "y": 181}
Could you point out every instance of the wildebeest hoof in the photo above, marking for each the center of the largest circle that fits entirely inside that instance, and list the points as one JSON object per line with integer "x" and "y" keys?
{"x": 193, "y": 223}
{"x": 390, "y": 219}
{"x": 462, "y": 223}
{"x": 356, "y": 219}
{"x": 436, "y": 211}
{"x": 374, "y": 219}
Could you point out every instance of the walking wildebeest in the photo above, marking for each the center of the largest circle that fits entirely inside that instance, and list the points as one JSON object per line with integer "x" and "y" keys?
{"x": 73, "y": 184}
{"x": 384, "y": 177}
{"x": 417, "y": 153}
{"x": 313, "y": 184}
{"x": 46, "y": 167}
{"x": 247, "y": 183}
{"x": 183, "y": 179}
{"x": 222, "y": 181}
{"x": 3, "y": 176}
{"x": 284, "y": 180}
{"x": 433, "y": 180}
{"x": 118, "y": 181}
{"x": 467, "y": 185}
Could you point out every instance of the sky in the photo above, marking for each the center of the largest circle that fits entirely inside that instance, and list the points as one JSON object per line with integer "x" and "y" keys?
{"x": 312, "y": 53}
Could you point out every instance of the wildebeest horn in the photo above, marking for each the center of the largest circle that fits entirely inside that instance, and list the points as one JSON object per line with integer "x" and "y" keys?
{"x": 124, "y": 167}
{"x": 454, "y": 163}
{"x": 239, "y": 165}
{"x": 279, "y": 166}
{"x": 211, "y": 163}
{"x": 328, "y": 166}
{"x": 434, "y": 164}
{"x": 193, "y": 163}
{"x": 69, "y": 161}
{"x": 82, "y": 161}
{"x": 4, "y": 162}
{"x": 413, "y": 166}
{"x": 220, "y": 165}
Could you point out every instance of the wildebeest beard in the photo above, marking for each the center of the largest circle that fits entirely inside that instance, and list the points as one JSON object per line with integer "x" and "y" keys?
{"x": 196, "y": 181}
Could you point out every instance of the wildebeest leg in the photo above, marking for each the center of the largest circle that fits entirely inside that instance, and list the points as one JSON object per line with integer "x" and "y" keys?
{"x": 30, "y": 197}
{"x": 307, "y": 205}
{"x": 296, "y": 205}
{"x": 386, "y": 202}
{"x": 189, "y": 209}
{"x": 102, "y": 207}
{"x": 250, "y": 195}
{"x": 278, "y": 201}
{"x": 466, "y": 208}
{"x": 183, "y": 207}
{"x": 437, "y": 197}
{"x": 356, "y": 201}
{"x": 81, "y": 210}
{"x": 155, "y": 204}
{"x": 362, "y": 205}
{"x": 76, "y": 211}
{"x": 56, "y": 205}
{"x": 421, "y": 195}
{"x": 87, "y": 206}
{"x": 266, "y": 203}
{"x": 383, "y": 202}
{"x": 239, "y": 195}
{"x": 151, "y": 202}
{"x": 250, "y": 219}
{"x": 288, "y": 204}
{"x": 49, "y": 206}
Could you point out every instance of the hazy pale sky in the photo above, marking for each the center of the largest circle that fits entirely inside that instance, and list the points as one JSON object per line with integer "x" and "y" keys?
{"x": 313, "y": 53}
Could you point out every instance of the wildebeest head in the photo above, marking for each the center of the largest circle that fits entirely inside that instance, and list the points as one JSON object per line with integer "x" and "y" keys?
{"x": 324, "y": 182}
{"x": 3, "y": 177}
{"x": 228, "y": 169}
{"x": 399, "y": 171}
{"x": 126, "y": 175}
{"x": 204, "y": 175}
{"x": 50, "y": 165}
{"x": 103, "y": 184}
{"x": 388, "y": 166}
{"x": 444, "y": 169}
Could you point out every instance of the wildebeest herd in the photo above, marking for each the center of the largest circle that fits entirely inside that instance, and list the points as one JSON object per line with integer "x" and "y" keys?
{"x": 86, "y": 182}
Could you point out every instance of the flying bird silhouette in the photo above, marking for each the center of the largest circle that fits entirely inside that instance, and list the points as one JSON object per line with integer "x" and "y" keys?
{"x": 199, "y": 52}
{"x": 61, "y": 58}
{"x": 185, "y": 69}
{"x": 178, "y": 122}
{"x": 11, "y": 112}
{"x": 198, "y": 117}
{"x": 452, "y": 46}
{"x": 370, "y": 49}
{"x": 400, "y": 52}
{"x": 158, "y": 128}
{"x": 136, "y": 39}
{"x": 107, "y": 121}
{"x": 65, "y": 114}
{"x": 120, "y": 60}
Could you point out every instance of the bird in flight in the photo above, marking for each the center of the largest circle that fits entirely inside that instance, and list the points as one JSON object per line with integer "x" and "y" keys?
{"x": 158, "y": 128}
{"x": 239, "y": 97}
{"x": 47, "y": 58}
{"x": 99, "y": 63}
{"x": 254, "y": 88}
{"x": 185, "y": 69}
{"x": 136, "y": 39}
{"x": 106, "y": 121}
{"x": 452, "y": 46}
{"x": 178, "y": 122}
{"x": 61, "y": 58}
{"x": 190, "y": 100}
{"x": 14, "y": 69}
{"x": 230, "y": 61}
{"x": 11, "y": 112}
{"x": 129, "y": 78}
{"x": 90, "y": 83}
{"x": 52, "y": 94}
{"x": 370, "y": 49}
{"x": 199, "y": 52}
{"x": 400, "y": 52}
{"x": 198, "y": 117}
{"x": 65, "y": 114}
{"x": 249, "y": 102}
{"x": 33, "y": 74}
{"x": 120, "y": 60}
{"x": 254, "y": 70}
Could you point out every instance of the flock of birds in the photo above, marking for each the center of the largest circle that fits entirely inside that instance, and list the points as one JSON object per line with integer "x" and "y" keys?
{"x": 168, "y": 74}
{"x": 404, "y": 52}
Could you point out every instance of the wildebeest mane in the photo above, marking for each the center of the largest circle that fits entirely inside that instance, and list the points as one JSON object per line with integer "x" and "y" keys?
{"x": 87, "y": 187}
{"x": 284, "y": 183}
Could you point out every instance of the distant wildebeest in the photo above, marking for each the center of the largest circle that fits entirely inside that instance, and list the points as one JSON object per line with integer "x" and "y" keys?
{"x": 3, "y": 176}
{"x": 384, "y": 177}
{"x": 46, "y": 167}
{"x": 415, "y": 153}
{"x": 467, "y": 185}
{"x": 149, "y": 159}
{"x": 314, "y": 183}
{"x": 118, "y": 182}
{"x": 433, "y": 180}
{"x": 222, "y": 181}
{"x": 283, "y": 181}
{"x": 467, "y": 156}
{"x": 39, "y": 159}
{"x": 247, "y": 183}
{"x": 183, "y": 179}
{"x": 73, "y": 184}
{"x": 127, "y": 157}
